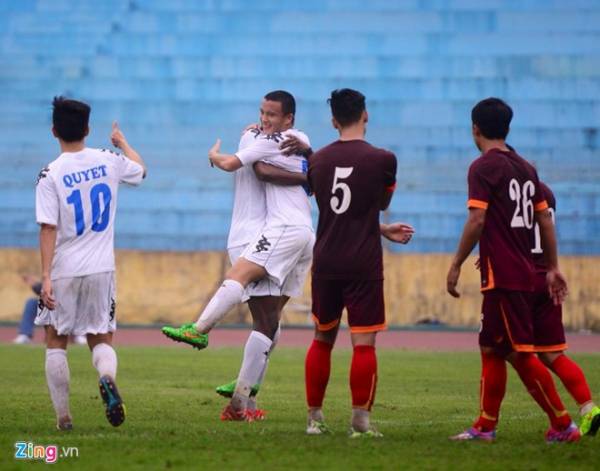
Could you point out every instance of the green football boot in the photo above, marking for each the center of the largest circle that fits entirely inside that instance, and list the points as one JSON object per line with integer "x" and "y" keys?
{"x": 590, "y": 422}
{"x": 227, "y": 390}
{"x": 187, "y": 333}
{"x": 371, "y": 433}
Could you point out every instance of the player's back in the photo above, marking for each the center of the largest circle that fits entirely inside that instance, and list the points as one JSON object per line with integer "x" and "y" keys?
{"x": 77, "y": 192}
{"x": 349, "y": 179}
{"x": 507, "y": 186}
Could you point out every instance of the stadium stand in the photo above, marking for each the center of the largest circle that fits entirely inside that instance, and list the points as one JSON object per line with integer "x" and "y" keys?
{"x": 178, "y": 74}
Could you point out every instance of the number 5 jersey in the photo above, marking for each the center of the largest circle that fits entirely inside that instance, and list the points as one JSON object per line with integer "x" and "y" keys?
{"x": 508, "y": 188}
{"x": 349, "y": 179}
{"x": 77, "y": 193}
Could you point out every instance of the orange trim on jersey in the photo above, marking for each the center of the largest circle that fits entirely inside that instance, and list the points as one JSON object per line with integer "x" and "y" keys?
{"x": 368, "y": 328}
{"x": 541, "y": 206}
{"x": 390, "y": 188}
{"x": 551, "y": 348}
{"x": 477, "y": 204}
{"x": 517, "y": 347}
{"x": 325, "y": 327}
{"x": 491, "y": 284}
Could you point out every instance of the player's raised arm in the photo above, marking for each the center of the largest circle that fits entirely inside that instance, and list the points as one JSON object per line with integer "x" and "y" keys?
{"x": 118, "y": 139}
{"x": 227, "y": 162}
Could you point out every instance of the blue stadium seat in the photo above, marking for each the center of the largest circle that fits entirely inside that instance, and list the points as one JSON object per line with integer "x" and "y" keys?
{"x": 179, "y": 74}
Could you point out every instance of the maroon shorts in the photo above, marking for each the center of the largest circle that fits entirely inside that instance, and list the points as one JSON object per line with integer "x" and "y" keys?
{"x": 549, "y": 333}
{"x": 362, "y": 298}
{"x": 507, "y": 321}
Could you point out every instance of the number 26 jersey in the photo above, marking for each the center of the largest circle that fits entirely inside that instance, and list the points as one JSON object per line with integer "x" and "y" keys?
{"x": 77, "y": 193}
{"x": 508, "y": 188}
{"x": 349, "y": 179}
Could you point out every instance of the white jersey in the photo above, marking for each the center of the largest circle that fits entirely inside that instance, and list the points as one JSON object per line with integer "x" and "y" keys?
{"x": 286, "y": 205}
{"x": 77, "y": 193}
{"x": 249, "y": 202}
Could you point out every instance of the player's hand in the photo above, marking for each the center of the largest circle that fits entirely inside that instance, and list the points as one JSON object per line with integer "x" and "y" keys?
{"x": 117, "y": 137}
{"x": 452, "y": 280}
{"x": 294, "y": 146}
{"x": 478, "y": 264}
{"x": 397, "y": 232}
{"x": 47, "y": 294}
{"x": 249, "y": 127}
{"x": 557, "y": 286}
{"x": 213, "y": 152}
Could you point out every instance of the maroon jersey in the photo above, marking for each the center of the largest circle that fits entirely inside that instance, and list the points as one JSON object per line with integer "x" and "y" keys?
{"x": 349, "y": 179}
{"x": 536, "y": 250}
{"x": 508, "y": 188}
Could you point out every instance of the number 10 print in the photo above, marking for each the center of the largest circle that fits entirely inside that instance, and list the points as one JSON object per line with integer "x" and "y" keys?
{"x": 100, "y": 217}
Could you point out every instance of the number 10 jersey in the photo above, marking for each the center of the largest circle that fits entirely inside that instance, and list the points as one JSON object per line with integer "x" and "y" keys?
{"x": 508, "y": 188}
{"x": 77, "y": 193}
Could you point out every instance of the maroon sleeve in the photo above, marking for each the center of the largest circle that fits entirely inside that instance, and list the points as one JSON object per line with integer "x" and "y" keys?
{"x": 479, "y": 189}
{"x": 390, "y": 165}
{"x": 539, "y": 197}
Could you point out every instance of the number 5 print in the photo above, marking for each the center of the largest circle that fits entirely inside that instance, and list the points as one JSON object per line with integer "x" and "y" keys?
{"x": 337, "y": 206}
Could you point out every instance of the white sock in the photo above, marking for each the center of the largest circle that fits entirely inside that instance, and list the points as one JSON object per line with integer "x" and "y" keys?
{"x": 256, "y": 355}
{"x": 227, "y": 296}
{"x": 360, "y": 419}
{"x": 104, "y": 359}
{"x": 261, "y": 378}
{"x": 58, "y": 377}
{"x": 587, "y": 407}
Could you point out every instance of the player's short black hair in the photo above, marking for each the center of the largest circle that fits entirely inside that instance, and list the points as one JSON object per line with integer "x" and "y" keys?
{"x": 492, "y": 116}
{"x": 287, "y": 100}
{"x": 70, "y": 118}
{"x": 347, "y": 105}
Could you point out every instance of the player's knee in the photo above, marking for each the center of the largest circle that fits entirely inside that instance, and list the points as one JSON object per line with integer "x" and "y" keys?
{"x": 547, "y": 358}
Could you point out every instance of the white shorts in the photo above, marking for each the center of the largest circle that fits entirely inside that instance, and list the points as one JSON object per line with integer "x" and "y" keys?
{"x": 286, "y": 253}
{"x": 84, "y": 305}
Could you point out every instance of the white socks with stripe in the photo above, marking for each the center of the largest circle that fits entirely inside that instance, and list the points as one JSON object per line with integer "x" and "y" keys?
{"x": 104, "y": 360}
{"x": 58, "y": 378}
{"x": 261, "y": 378}
{"x": 256, "y": 355}
{"x": 227, "y": 296}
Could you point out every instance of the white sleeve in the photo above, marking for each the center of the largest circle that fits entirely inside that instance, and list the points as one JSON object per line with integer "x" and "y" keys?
{"x": 130, "y": 172}
{"x": 260, "y": 149}
{"x": 46, "y": 200}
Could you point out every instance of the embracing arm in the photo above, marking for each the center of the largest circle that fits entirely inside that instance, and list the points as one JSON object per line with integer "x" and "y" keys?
{"x": 272, "y": 174}
{"x": 557, "y": 284}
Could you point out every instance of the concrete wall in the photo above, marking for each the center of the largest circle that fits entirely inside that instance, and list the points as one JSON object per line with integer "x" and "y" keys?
{"x": 156, "y": 287}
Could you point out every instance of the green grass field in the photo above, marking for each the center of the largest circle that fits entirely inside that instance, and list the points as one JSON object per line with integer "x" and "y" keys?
{"x": 172, "y": 420}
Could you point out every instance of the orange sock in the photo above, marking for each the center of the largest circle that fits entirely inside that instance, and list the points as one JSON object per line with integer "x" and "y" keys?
{"x": 363, "y": 376}
{"x": 491, "y": 391}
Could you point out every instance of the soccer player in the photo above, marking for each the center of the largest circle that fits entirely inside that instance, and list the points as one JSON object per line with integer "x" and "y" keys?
{"x": 352, "y": 181}
{"x": 549, "y": 334}
{"x": 76, "y": 202}
{"x": 505, "y": 200}
{"x": 270, "y": 243}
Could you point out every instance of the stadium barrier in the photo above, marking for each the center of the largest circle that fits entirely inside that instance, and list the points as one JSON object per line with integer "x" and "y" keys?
{"x": 159, "y": 287}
